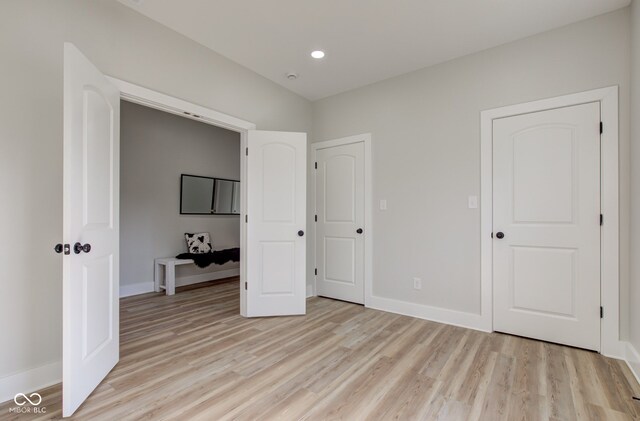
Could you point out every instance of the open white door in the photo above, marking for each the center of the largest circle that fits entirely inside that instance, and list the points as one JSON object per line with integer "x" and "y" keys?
{"x": 91, "y": 228}
{"x": 276, "y": 223}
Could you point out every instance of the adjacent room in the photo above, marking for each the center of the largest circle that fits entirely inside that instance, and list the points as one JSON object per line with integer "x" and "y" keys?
{"x": 285, "y": 210}
{"x": 178, "y": 177}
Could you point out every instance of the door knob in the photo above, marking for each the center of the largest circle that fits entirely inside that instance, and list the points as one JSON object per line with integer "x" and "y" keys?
{"x": 79, "y": 248}
{"x": 499, "y": 235}
{"x": 62, "y": 248}
{"x": 300, "y": 233}
{"x": 359, "y": 230}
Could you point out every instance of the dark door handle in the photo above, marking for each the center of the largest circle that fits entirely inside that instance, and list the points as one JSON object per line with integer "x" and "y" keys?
{"x": 499, "y": 235}
{"x": 62, "y": 248}
{"x": 300, "y": 233}
{"x": 79, "y": 248}
{"x": 359, "y": 230}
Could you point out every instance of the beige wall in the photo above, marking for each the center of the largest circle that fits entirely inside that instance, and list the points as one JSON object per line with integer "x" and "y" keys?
{"x": 426, "y": 158}
{"x": 155, "y": 148}
{"x": 123, "y": 44}
{"x": 634, "y": 295}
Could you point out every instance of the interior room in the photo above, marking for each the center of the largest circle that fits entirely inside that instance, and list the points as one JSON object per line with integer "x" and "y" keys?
{"x": 291, "y": 210}
{"x": 170, "y": 167}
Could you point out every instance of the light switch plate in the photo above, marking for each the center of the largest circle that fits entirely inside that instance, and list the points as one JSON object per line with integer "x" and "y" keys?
{"x": 383, "y": 204}
{"x": 473, "y": 202}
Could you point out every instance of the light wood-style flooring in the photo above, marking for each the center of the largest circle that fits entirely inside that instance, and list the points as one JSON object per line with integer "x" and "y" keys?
{"x": 192, "y": 357}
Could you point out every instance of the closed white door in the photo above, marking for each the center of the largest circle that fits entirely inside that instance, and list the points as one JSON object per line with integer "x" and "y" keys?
{"x": 546, "y": 225}
{"x": 91, "y": 228}
{"x": 276, "y": 223}
{"x": 340, "y": 232}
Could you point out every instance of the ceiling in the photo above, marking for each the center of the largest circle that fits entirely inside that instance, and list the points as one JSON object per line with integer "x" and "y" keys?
{"x": 365, "y": 40}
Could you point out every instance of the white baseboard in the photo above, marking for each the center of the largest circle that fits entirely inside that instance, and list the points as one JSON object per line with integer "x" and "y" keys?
{"x": 30, "y": 381}
{"x": 136, "y": 289}
{"x": 434, "y": 314}
{"x": 204, "y": 277}
{"x": 146, "y": 287}
{"x": 632, "y": 359}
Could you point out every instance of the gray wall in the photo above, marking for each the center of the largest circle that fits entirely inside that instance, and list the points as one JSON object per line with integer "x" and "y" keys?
{"x": 155, "y": 148}
{"x": 426, "y": 149}
{"x": 634, "y": 295}
{"x": 124, "y": 44}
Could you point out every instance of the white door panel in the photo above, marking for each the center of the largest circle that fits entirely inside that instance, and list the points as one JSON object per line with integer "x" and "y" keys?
{"x": 276, "y": 238}
{"x": 547, "y": 204}
{"x": 91, "y": 197}
{"x": 340, "y": 213}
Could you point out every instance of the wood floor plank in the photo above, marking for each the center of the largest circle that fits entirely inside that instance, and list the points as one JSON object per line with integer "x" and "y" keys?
{"x": 191, "y": 356}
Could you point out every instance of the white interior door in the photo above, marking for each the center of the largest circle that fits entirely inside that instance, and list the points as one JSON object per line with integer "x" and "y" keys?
{"x": 91, "y": 197}
{"x": 546, "y": 224}
{"x": 276, "y": 223}
{"x": 340, "y": 222}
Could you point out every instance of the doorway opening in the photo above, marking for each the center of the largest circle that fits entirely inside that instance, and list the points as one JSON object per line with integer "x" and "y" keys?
{"x": 224, "y": 124}
{"x": 179, "y": 202}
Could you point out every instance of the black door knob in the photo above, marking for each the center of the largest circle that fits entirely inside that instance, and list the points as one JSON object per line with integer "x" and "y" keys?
{"x": 300, "y": 233}
{"x": 58, "y": 248}
{"x": 500, "y": 235}
{"x": 359, "y": 230}
{"x": 79, "y": 248}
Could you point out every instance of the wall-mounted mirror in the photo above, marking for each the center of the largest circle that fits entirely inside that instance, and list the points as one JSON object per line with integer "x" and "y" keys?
{"x": 209, "y": 196}
{"x": 196, "y": 195}
{"x": 223, "y": 197}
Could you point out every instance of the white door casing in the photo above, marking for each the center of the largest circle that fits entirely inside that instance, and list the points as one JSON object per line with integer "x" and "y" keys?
{"x": 91, "y": 216}
{"x": 276, "y": 223}
{"x": 340, "y": 213}
{"x": 546, "y": 203}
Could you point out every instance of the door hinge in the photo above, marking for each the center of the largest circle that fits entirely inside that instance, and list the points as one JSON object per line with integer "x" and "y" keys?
{"x": 491, "y": 235}
{"x": 246, "y": 219}
{"x": 601, "y": 219}
{"x": 316, "y": 218}
{"x": 601, "y": 312}
{"x": 316, "y": 271}
{"x": 245, "y": 285}
{"x": 246, "y": 151}
{"x": 316, "y": 165}
{"x": 601, "y": 127}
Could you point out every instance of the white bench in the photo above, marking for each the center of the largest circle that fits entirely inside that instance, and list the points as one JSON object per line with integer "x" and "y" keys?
{"x": 169, "y": 264}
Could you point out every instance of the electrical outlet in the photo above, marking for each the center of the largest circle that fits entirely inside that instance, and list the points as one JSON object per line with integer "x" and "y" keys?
{"x": 417, "y": 283}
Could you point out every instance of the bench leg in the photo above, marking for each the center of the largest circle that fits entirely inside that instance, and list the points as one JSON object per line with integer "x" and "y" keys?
{"x": 156, "y": 277}
{"x": 170, "y": 279}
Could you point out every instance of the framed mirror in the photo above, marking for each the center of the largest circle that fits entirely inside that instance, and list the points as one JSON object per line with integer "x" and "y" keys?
{"x": 196, "y": 195}
{"x": 209, "y": 196}
{"x": 223, "y": 197}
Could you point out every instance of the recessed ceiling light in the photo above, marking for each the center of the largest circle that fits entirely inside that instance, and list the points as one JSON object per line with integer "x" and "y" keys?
{"x": 317, "y": 54}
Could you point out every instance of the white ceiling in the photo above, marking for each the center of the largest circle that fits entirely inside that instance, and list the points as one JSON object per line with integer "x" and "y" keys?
{"x": 365, "y": 40}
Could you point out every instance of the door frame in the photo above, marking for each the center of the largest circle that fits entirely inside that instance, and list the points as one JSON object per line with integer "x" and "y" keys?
{"x": 610, "y": 344}
{"x": 368, "y": 207}
{"x": 153, "y": 99}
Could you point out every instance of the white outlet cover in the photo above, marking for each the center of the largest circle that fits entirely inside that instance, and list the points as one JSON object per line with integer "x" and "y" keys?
{"x": 417, "y": 283}
{"x": 473, "y": 202}
{"x": 383, "y": 204}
